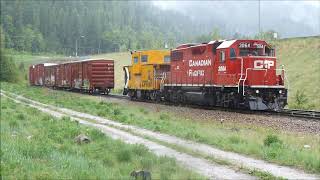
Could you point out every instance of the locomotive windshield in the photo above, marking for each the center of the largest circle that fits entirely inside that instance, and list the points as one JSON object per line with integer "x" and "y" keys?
{"x": 251, "y": 52}
{"x": 255, "y": 49}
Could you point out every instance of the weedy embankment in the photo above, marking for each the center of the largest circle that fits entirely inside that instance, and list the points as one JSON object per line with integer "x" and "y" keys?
{"x": 35, "y": 145}
{"x": 249, "y": 140}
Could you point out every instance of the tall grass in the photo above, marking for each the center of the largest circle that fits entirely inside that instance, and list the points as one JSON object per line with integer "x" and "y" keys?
{"x": 244, "y": 139}
{"x": 35, "y": 145}
{"x": 301, "y": 57}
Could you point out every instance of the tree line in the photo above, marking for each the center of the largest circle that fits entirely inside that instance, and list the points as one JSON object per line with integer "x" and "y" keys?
{"x": 92, "y": 26}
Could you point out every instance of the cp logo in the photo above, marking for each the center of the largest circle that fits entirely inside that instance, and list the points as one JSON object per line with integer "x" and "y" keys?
{"x": 260, "y": 64}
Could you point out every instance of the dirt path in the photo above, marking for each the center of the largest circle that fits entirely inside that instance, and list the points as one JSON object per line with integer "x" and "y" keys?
{"x": 199, "y": 165}
{"x": 233, "y": 158}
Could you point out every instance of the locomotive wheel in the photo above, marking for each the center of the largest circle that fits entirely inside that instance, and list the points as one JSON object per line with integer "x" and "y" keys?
{"x": 181, "y": 99}
{"x": 167, "y": 96}
{"x": 107, "y": 92}
{"x": 174, "y": 97}
{"x": 158, "y": 97}
{"x": 235, "y": 101}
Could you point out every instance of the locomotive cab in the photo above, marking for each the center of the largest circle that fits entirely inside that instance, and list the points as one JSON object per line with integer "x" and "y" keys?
{"x": 260, "y": 81}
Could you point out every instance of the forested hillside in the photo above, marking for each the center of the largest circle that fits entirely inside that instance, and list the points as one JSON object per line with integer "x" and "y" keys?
{"x": 93, "y": 26}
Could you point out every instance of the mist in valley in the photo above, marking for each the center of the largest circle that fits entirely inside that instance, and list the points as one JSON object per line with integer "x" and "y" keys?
{"x": 288, "y": 18}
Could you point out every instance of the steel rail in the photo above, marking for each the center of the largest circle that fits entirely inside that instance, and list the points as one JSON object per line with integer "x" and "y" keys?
{"x": 306, "y": 114}
{"x": 301, "y": 113}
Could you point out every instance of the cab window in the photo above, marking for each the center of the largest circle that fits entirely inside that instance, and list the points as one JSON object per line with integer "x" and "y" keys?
{"x": 269, "y": 51}
{"x": 222, "y": 56}
{"x": 232, "y": 53}
{"x": 135, "y": 60}
{"x": 166, "y": 58}
{"x": 144, "y": 58}
{"x": 176, "y": 55}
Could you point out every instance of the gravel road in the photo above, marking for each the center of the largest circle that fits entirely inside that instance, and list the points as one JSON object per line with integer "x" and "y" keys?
{"x": 234, "y": 158}
{"x": 199, "y": 165}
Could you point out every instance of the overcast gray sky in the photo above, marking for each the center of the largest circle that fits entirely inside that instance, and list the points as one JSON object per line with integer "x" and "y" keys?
{"x": 289, "y": 18}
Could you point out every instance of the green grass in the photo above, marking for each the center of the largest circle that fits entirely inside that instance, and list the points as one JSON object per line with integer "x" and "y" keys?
{"x": 35, "y": 145}
{"x": 301, "y": 57}
{"x": 286, "y": 149}
{"x": 29, "y": 58}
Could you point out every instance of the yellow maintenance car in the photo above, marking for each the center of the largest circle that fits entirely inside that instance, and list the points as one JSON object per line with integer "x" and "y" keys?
{"x": 143, "y": 78}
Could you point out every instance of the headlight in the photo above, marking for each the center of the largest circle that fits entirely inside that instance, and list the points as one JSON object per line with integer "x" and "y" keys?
{"x": 257, "y": 91}
{"x": 280, "y": 91}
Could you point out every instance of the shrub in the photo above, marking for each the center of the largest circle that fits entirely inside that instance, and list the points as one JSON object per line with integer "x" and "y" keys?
{"x": 116, "y": 112}
{"x": 124, "y": 155}
{"x": 235, "y": 139}
{"x": 192, "y": 135}
{"x": 46, "y": 118}
{"x": 140, "y": 150}
{"x": 124, "y": 118}
{"x": 157, "y": 128}
{"x": 271, "y": 139}
{"x": 13, "y": 123}
{"x": 66, "y": 118}
{"x": 164, "y": 117}
{"x": 95, "y": 134}
{"x": 301, "y": 99}
{"x": 107, "y": 160}
{"x": 21, "y": 66}
{"x": 21, "y": 116}
{"x": 132, "y": 116}
{"x": 8, "y": 69}
{"x": 274, "y": 150}
{"x": 143, "y": 111}
{"x": 102, "y": 113}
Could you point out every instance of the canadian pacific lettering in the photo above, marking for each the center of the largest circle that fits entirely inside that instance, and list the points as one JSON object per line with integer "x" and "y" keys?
{"x": 205, "y": 62}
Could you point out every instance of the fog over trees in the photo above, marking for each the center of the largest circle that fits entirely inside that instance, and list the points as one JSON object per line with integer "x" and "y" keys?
{"x": 288, "y": 18}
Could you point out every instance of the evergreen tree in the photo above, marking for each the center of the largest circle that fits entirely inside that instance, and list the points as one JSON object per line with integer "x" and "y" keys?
{"x": 107, "y": 26}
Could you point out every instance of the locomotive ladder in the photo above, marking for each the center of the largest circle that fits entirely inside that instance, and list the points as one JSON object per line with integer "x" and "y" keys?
{"x": 243, "y": 79}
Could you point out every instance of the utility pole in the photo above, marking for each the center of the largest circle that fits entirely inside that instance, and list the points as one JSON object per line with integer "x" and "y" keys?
{"x": 259, "y": 9}
{"x": 99, "y": 47}
{"x": 77, "y": 45}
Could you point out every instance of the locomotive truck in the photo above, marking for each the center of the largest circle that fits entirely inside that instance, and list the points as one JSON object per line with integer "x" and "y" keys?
{"x": 226, "y": 73}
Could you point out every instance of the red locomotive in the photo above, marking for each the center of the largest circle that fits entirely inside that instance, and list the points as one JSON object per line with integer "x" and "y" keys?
{"x": 231, "y": 73}
{"x": 92, "y": 75}
{"x": 226, "y": 73}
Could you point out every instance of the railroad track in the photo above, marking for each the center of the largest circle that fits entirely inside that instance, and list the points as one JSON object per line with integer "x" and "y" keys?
{"x": 301, "y": 113}
{"x": 308, "y": 114}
